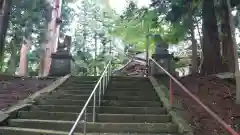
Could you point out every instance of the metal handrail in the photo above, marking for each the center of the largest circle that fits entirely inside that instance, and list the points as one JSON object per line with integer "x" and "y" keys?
{"x": 102, "y": 85}
{"x": 196, "y": 99}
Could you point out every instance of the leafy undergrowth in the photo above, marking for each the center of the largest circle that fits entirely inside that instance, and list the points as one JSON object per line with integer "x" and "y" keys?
{"x": 218, "y": 95}
{"x": 13, "y": 89}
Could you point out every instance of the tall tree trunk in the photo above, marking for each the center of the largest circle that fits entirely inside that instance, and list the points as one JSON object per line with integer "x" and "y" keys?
{"x": 23, "y": 64}
{"x": 200, "y": 60}
{"x": 52, "y": 33}
{"x": 194, "y": 49}
{"x": 5, "y": 9}
{"x": 237, "y": 72}
{"x": 227, "y": 40}
{"x": 12, "y": 63}
{"x": 211, "y": 42}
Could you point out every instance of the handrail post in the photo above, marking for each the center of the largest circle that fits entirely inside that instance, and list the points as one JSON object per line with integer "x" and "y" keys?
{"x": 103, "y": 83}
{"x": 94, "y": 106}
{"x": 85, "y": 122}
{"x": 170, "y": 91}
{"x": 99, "y": 94}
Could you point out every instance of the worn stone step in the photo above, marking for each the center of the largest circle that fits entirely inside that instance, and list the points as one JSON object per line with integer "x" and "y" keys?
{"x": 70, "y": 86}
{"x": 131, "y": 93}
{"x": 129, "y": 89}
{"x": 125, "y": 103}
{"x": 130, "y": 84}
{"x": 77, "y": 92}
{"x": 132, "y": 110}
{"x": 29, "y": 131}
{"x": 103, "y": 109}
{"x": 115, "y": 118}
{"x": 78, "y": 85}
{"x": 83, "y": 78}
{"x": 70, "y": 96}
{"x": 136, "y": 98}
{"x": 121, "y": 78}
{"x": 133, "y": 118}
{"x": 96, "y": 127}
{"x": 60, "y": 108}
{"x": 75, "y": 89}
{"x": 122, "y": 103}
{"x": 44, "y": 115}
{"x": 63, "y": 102}
{"x": 81, "y": 82}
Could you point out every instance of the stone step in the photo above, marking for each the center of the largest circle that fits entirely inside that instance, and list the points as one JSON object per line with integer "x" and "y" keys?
{"x": 96, "y": 127}
{"x": 104, "y": 109}
{"x": 133, "y": 118}
{"x": 59, "y": 108}
{"x": 136, "y": 98}
{"x": 79, "y": 82}
{"x": 130, "y": 89}
{"x": 70, "y": 96}
{"x": 131, "y": 93}
{"x": 28, "y": 131}
{"x": 44, "y": 115}
{"x": 115, "y": 118}
{"x": 75, "y": 88}
{"x": 83, "y": 78}
{"x": 118, "y": 78}
{"x": 78, "y": 85}
{"x": 132, "y": 110}
{"x": 124, "y": 103}
{"x": 130, "y": 84}
{"x": 78, "y": 92}
{"x": 62, "y": 102}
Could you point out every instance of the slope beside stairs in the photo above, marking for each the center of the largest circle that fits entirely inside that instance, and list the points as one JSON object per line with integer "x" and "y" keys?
{"x": 129, "y": 106}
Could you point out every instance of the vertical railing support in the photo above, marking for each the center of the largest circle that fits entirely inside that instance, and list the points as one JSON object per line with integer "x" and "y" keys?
{"x": 94, "y": 106}
{"x": 99, "y": 94}
{"x": 103, "y": 82}
{"x": 170, "y": 92}
{"x": 85, "y": 123}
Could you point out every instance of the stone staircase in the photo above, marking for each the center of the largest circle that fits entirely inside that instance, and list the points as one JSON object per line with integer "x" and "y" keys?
{"x": 129, "y": 106}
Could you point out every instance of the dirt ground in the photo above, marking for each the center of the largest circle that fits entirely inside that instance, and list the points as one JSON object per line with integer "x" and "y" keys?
{"x": 13, "y": 89}
{"x": 218, "y": 95}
